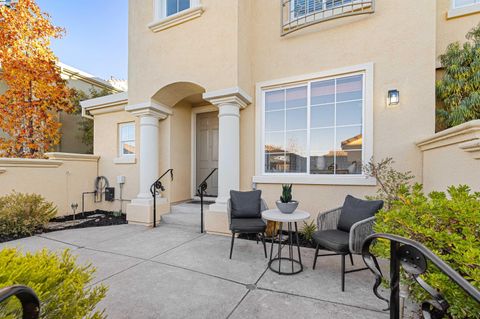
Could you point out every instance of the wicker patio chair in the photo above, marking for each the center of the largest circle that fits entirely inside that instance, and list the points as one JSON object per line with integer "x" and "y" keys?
{"x": 342, "y": 230}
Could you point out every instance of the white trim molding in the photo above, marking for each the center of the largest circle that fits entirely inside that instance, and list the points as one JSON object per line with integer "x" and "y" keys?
{"x": 72, "y": 157}
{"x": 367, "y": 70}
{"x": 456, "y": 12}
{"x": 149, "y": 109}
{"x": 104, "y": 104}
{"x": 163, "y": 22}
{"x": 28, "y": 162}
{"x": 233, "y": 94}
{"x": 125, "y": 160}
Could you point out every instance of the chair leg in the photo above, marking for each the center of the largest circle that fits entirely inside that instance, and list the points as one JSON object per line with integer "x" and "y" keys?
{"x": 257, "y": 238}
{"x": 351, "y": 258}
{"x": 264, "y": 245}
{"x": 231, "y": 246}
{"x": 316, "y": 255}
{"x": 343, "y": 272}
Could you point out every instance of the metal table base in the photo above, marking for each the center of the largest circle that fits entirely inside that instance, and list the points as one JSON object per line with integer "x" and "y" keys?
{"x": 291, "y": 258}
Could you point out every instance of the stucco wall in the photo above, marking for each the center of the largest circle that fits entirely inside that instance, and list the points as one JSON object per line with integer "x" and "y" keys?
{"x": 452, "y": 157}
{"x": 60, "y": 180}
{"x": 106, "y": 145}
{"x": 453, "y": 29}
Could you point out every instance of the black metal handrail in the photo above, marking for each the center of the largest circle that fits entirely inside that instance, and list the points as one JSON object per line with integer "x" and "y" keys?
{"x": 413, "y": 258}
{"x": 27, "y": 297}
{"x": 154, "y": 190}
{"x": 202, "y": 187}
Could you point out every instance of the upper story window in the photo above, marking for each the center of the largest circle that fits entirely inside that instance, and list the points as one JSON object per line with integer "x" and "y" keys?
{"x": 175, "y": 6}
{"x": 126, "y": 137}
{"x": 169, "y": 13}
{"x": 464, "y": 3}
{"x": 297, "y": 14}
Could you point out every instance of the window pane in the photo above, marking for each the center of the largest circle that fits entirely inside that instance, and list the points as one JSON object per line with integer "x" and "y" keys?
{"x": 274, "y": 162}
{"x": 349, "y": 162}
{"x": 462, "y": 3}
{"x": 296, "y": 155}
{"x": 349, "y": 88}
{"x": 275, "y": 121}
{"x": 127, "y": 132}
{"x": 274, "y": 152}
{"x": 349, "y": 138}
{"x": 128, "y": 148}
{"x": 322, "y": 162}
{"x": 183, "y": 4}
{"x": 172, "y": 7}
{"x": 296, "y": 97}
{"x": 322, "y": 116}
{"x": 323, "y": 92}
{"x": 349, "y": 113}
{"x": 297, "y": 119}
{"x": 275, "y": 100}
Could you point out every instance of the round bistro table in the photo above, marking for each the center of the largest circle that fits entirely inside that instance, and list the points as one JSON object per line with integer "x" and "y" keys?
{"x": 277, "y": 216}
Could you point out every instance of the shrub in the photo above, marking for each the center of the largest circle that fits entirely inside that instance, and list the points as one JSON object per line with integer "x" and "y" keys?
{"x": 390, "y": 181}
{"x": 24, "y": 214}
{"x": 447, "y": 224}
{"x": 308, "y": 230}
{"x": 459, "y": 89}
{"x": 60, "y": 284}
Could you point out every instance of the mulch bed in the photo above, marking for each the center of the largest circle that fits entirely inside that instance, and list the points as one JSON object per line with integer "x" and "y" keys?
{"x": 303, "y": 242}
{"x": 88, "y": 219}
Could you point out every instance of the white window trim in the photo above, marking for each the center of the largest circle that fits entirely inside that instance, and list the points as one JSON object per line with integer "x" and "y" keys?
{"x": 261, "y": 177}
{"x": 161, "y": 21}
{"x": 125, "y": 158}
{"x": 455, "y": 12}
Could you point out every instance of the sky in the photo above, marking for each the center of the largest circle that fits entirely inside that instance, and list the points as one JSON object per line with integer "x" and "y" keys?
{"x": 96, "y": 39}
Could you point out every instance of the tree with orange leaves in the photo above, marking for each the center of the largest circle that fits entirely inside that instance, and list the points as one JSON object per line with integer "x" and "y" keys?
{"x": 36, "y": 92}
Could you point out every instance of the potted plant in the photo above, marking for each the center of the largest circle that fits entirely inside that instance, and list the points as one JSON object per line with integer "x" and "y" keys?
{"x": 286, "y": 205}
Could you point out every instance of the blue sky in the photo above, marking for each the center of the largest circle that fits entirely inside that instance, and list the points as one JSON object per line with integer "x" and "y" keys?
{"x": 97, "y": 35}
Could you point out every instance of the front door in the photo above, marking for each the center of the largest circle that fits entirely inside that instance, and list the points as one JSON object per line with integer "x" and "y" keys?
{"x": 207, "y": 150}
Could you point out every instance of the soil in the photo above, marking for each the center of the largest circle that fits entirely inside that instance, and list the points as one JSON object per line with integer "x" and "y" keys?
{"x": 88, "y": 219}
{"x": 301, "y": 238}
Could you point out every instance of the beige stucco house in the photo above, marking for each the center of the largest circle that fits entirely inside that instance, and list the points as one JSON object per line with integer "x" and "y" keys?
{"x": 272, "y": 92}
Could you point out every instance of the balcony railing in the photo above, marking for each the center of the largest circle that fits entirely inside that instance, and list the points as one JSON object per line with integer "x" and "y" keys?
{"x": 298, "y": 14}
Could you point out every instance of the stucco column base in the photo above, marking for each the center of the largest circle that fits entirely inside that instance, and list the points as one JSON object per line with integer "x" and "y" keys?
{"x": 140, "y": 211}
{"x": 216, "y": 223}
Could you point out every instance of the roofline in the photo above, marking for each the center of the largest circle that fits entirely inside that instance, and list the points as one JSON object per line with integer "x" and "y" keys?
{"x": 87, "y": 77}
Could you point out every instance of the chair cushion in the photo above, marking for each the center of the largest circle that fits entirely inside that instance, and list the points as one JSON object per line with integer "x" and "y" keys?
{"x": 334, "y": 240}
{"x": 248, "y": 225}
{"x": 355, "y": 210}
{"x": 246, "y": 204}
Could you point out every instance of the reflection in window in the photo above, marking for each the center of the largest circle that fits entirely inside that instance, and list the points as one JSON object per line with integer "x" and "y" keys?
{"x": 305, "y": 7}
{"x": 464, "y": 3}
{"x": 126, "y": 133}
{"x": 315, "y": 128}
{"x": 175, "y": 6}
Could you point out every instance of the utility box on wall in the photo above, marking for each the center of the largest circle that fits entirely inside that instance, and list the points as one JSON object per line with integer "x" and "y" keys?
{"x": 110, "y": 194}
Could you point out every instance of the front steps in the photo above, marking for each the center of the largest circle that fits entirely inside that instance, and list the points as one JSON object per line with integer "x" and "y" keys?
{"x": 185, "y": 215}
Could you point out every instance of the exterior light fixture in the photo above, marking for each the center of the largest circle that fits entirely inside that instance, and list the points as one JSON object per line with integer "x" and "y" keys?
{"x": 393, "y": 97}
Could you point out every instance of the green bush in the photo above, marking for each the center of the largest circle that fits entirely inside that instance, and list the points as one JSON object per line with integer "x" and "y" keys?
{"x": 24, "y": 214}
{"x": 447, "y": 224}
{"x": 60, "y": 284}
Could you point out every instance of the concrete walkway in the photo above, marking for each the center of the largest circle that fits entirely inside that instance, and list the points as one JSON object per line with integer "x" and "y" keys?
{"x": 175, "y": 272}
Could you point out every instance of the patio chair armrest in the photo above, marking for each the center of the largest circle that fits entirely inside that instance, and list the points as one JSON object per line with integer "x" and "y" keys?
{"x": 229, "y": 212}
{"x": 329, "y": 219}
{"x": 263, "y": 205}
{"x": 358, "y": 232}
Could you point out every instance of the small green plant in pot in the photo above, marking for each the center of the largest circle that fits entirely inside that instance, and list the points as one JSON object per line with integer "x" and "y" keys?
{"x": 286, "y": 205}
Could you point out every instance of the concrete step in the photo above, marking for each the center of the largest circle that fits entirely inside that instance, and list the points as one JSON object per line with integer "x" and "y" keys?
{"x": 185, "y": 215}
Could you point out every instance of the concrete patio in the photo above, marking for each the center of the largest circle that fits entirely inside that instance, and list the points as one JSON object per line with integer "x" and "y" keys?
{"x": 176, "y": 272}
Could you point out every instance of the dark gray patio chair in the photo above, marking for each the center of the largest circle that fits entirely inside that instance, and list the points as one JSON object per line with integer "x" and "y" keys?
{"x": 342, "y": 230}
{"x": 245, "y": 215}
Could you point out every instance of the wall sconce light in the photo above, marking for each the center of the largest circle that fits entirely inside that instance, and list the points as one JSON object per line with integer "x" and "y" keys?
{"x": 393, "y": 97}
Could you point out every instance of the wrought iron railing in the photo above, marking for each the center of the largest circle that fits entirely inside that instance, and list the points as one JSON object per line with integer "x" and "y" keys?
{"x": 27, "y": 297}
{"x": 298, "y": 14}
{"x": 201, "y": 189}
{"x": 413, "y": 257}
{"x": 154, "y": 190}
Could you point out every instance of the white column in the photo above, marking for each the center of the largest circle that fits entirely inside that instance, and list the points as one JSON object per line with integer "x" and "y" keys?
{"x": 148, "y": 161}
{"x": 229, "y": 103}
{"x": 140, "y": 210}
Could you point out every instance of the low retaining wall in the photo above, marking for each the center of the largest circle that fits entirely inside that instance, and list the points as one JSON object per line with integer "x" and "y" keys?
{"x": 452, "y": 157}
{"x": 61, "y": 179}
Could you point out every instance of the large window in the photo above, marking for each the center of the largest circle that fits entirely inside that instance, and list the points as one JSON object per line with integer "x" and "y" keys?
{"x": 315, "y": 128}
{"x": 464, "y": 3}
{"x": 126, "y": 136}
